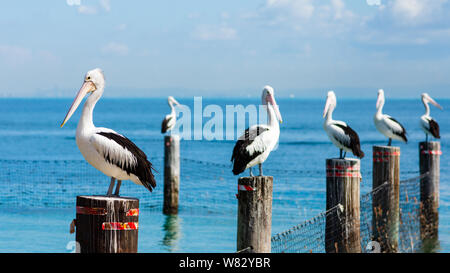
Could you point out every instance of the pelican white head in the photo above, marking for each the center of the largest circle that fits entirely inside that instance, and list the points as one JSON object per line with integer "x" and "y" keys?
{"x": 427, "y": 99}
{"x": 94, "y": 82}
{"x": 268, "y": 97}
{"x": 380, "y": 100}
{"x": 331, "y": 103}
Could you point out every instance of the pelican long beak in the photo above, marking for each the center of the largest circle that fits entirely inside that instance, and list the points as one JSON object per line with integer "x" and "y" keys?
{"x": 432, "y": 101}
{"x": 87, "y": 87}
{"x": 272, "y": 101}
{"x": 327, "y": 107}
{"x": 378, "y": 101}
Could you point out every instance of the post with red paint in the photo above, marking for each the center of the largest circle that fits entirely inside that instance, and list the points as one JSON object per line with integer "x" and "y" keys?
{"x": 386, "y": 197}
{"x": 429, "y": 153}
{"x": 107, "y": 224}
{"x": 254, "y": 214}
{"x": 342, "y": 227}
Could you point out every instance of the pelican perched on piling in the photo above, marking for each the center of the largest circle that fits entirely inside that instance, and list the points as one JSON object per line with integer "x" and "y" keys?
{"x": 342, "y": 135}
{"x": 386, "y": 124}
{"x": 428, "y": 124}
{"x": 255, "y": 145}
{"x": 169, "y": 121}
{"x": 109, "y": 152}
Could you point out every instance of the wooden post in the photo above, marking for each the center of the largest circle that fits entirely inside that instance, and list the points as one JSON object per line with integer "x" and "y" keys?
{"x": 254, "y": 214}
{"x": 429, "y": 189}
{"x": 385, "y": 202}
{"x": 171, "y": 174}
{"x": 107, "y": 224}
{"x": 342, "y": 229}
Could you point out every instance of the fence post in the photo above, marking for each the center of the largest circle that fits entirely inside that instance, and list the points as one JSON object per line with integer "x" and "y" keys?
{"x": 254, "y": 214}
{"x": 171, "y": 174}
{"x": 342, "y": 229}
{"x": 385, "y": 203}
{"x": 107, "y": 224}
{"x": 429, "y": 189}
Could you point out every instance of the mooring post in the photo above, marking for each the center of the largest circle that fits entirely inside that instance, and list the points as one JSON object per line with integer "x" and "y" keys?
{"x": 385, "y": 201}
{"x": 342, "y": 228}
{"x": 171, "y": 174}
{"x": 430, "y": 153}
{"x": 254, "y": 214}
{"x": 106, "y": 224}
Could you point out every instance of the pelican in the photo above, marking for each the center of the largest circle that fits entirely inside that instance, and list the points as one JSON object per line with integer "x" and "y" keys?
{"x": 428, "y": 124}
{"x": 344, "y": 137}
{"x": 109, "y": 152}
{"x": 170, "y": 119}
{"x": 387, "y": 125}
{"x": 255, "y": 145}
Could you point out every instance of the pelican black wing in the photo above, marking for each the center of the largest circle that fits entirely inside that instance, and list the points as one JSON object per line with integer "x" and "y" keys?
{"x": 164, "y": 125}
{"x": 434, "y": 129}
{"x": 401, "y": 134}
{"x": 142, "y": 168}
{"x": 241, "y": 157}
{"x": 354, "y": 144}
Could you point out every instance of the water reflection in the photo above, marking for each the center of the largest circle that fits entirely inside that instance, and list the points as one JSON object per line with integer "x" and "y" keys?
{"x": 172, "y": 232}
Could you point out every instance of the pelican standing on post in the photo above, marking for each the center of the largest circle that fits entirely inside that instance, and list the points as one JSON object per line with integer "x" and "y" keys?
{"x": 428, "y": 124}
{"x": 170, "y": 119}
{"x": 255, "y": 145}
{"x": 342, "y": 135}
{"x": 387, "y": 125}
{"x": 109, "y": 152}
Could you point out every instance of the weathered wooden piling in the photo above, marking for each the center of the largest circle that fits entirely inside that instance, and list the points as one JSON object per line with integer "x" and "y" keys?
{"x": 342, "y": 229}
{"x": 171, "y": 174}
{"x": 385, "y": 200}
{"x": 430, "y": 153}
{"x": 107, "y": 224}
{"x": 254, "y": 214}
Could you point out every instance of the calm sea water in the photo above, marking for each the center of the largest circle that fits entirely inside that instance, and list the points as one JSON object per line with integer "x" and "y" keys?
{"x": 29, "y": 129}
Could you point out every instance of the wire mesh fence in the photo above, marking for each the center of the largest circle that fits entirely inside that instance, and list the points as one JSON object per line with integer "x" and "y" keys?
{"x": 208, "y": 187}
{"x": 376, "y": 232}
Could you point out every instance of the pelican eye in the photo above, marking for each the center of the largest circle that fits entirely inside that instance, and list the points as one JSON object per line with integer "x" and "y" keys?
{"x": 88, "y": 78}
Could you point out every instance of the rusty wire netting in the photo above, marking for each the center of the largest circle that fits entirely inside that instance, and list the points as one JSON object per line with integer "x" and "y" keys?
{"x": 318, "y": 236}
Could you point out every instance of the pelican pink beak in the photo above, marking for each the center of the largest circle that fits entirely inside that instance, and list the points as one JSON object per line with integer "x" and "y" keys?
{"x": 327, "y": 107}
{"x": 331, "y": 99}
{"x": 432, "y": 101}
{"x": 88, "y": 86}
{"x": 380, "y": 97}
{"x": 271, "y": 100}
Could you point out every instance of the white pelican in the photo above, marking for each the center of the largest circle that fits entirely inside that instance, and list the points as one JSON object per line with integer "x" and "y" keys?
{"x": 255, "y": 145}
{"x": 170, "y": 119}
{"x": 344, "y": 137}
{"x": 387, "y": 125}
{"x": 109, "y": 152}
{"x": 428, "y": 124}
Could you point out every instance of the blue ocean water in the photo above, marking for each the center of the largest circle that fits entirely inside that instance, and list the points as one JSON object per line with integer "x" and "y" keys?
{"x": 29, "y": 129}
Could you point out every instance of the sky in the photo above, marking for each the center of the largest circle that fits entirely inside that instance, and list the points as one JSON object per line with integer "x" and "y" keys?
{"x": 302, "y": 48}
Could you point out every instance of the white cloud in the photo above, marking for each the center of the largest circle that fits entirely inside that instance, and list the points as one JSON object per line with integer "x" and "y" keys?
{"x": 106, "y": 5}
{"x": 73, "y": 2}
{"x": 298, "y": 8}
{"x": 88, "y": 10}
{"x": 414, "y": 12}
{"x": 122, "y": 27}
{"x": 15, "y": 55}
{"x": 373, "y": 2}
{"x": 116, "y": 49}
{"x": 215, "y": 33}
